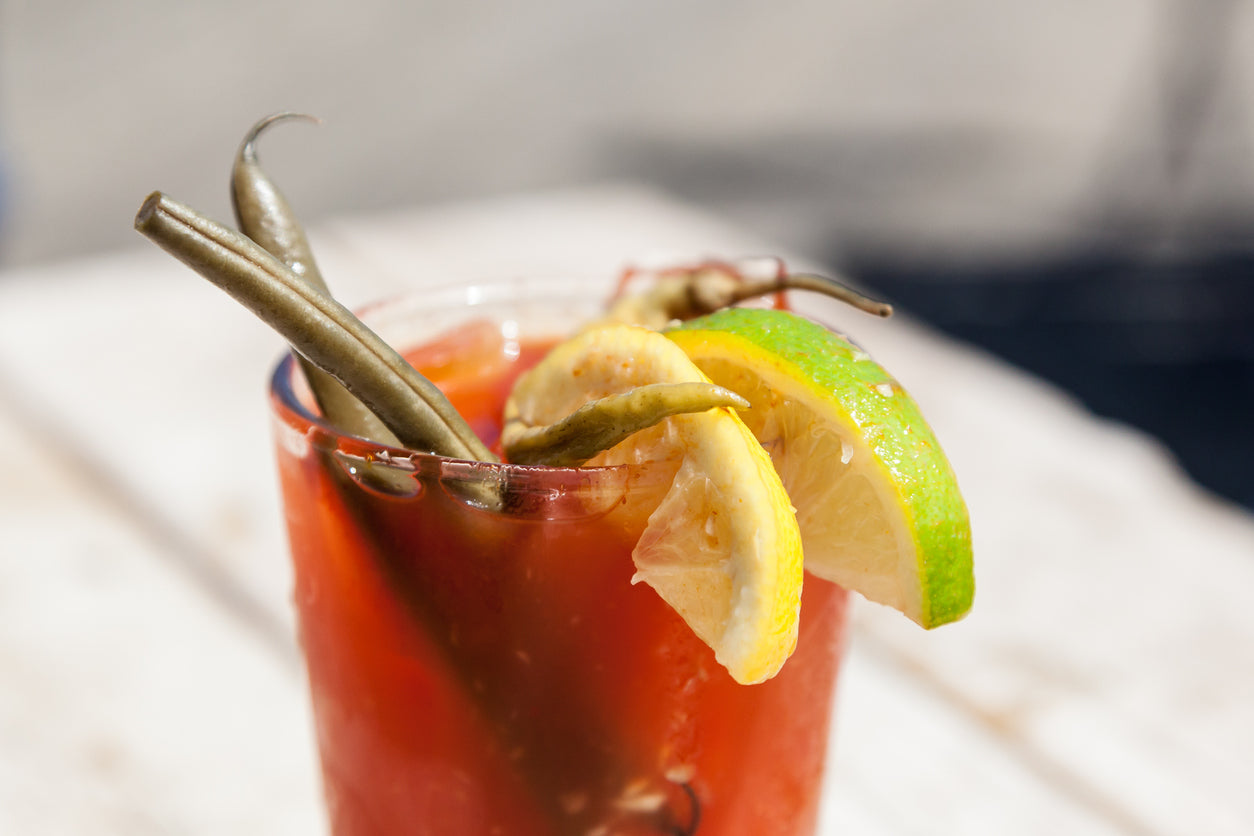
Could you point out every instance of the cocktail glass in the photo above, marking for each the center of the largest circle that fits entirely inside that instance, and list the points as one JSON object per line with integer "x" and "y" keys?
{"x": 479, "y": 659}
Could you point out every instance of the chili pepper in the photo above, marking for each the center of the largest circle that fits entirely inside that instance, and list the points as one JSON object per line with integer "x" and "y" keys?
{"x": 317, "y": 326}
{"x": 263, "y": 214}
{"x": 599, "y": 425}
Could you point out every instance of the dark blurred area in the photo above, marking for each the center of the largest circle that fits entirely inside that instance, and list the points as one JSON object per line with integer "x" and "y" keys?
{"x": 1150, "y": 319}
{"x": 1165, "y": 343}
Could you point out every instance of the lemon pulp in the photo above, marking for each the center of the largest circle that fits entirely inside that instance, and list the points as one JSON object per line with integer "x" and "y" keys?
{"x": 722, "y": 547}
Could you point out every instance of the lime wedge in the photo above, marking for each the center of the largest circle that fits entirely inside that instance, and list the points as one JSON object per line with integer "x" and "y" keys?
{"x": 877, "y": 501}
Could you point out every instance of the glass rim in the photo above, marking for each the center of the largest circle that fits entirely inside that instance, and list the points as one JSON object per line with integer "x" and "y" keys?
{"x": 300, "y": 422}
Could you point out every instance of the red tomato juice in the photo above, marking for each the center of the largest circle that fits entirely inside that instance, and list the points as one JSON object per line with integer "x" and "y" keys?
{"x": 481, "y": 671}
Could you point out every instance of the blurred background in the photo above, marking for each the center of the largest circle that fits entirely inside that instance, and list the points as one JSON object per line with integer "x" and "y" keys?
{"x": 1069, "y": 183}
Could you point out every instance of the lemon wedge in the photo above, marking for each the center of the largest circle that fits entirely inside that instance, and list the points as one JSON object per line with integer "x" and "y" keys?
{"x": 722, "y": 548}
{"x": 877, "y": 501}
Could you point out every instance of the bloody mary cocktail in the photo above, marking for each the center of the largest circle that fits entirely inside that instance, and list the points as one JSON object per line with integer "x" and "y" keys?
{"x": 489, "y": 668}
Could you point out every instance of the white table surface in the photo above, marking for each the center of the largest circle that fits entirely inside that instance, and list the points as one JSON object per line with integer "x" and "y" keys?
{"x": 149, "y": 682}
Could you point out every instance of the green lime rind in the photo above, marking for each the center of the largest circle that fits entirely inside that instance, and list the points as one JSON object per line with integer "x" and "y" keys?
{"x": 854, "y": 390}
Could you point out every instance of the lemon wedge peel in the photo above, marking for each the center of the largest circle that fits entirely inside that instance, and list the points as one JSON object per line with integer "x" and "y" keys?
{"x": 722, "y": 547}
{"x": 877, "y": 500}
